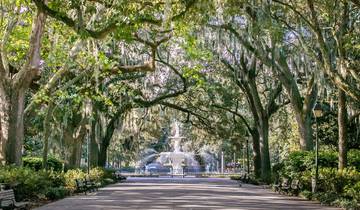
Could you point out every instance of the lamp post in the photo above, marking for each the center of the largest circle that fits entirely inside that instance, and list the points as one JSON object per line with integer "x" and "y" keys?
{"x": 222, "y": 162}
{"x": 234, "y": 160}
{"x": 317, "y": 113}
{"x": 247, "y": 154}
{"x": 88, "y": 127}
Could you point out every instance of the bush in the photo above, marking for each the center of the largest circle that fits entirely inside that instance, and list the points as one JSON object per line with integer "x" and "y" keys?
{"x": 55, "y": 164}
{"x": 70, "y": 177}
{"x": 107, "y": 181}
{"x": 346, "y": 203}
{"x": 354, "y": 158}
{"x": 353, "y": 191}
{"x": 96, "y": 174}
{"x": 109, "y": 173}
{"x": 36, "y": 163}
{"x": 27, "y": 183}
{"x": 326, "y": 197}
{"x": 334, "y": 187}
{"x": 57, "y": 179}
{"x": 304, "y": 160}
{"x": 55, "y": 193}
{"x": 330, "y": 179}
{"x": 306, "y": 194}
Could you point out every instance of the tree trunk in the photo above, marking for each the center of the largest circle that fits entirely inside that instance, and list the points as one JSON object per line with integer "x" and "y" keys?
{"x": 73, "y": 149}
{"x": 256, "y": 153}
{"x": 12, "y": 96}
{"x": 102, "y": 156}
{"x": 342, "y": 118}
{"x": 47, "y": 126}
{"x": 14, "y": 145}
{"x": 94, "y": 146}
{"x": 4, "y": 122}
{"x": 105, "y": 141}
{"x": 75, "y": 155}
{"x": 305, "y": 131}
{"x": 264, "y": 149}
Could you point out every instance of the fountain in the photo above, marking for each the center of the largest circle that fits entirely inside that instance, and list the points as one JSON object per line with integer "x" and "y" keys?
{"x": 177, "y": 160}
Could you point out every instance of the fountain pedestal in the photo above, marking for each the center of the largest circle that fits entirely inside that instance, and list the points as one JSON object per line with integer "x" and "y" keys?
{"x": 177, "y": 160}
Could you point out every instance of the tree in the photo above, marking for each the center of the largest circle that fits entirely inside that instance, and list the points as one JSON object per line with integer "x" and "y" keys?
{"x": 273, "y": 52}
{"x": 336, "y": 54}
{"x": 14, "y": 83}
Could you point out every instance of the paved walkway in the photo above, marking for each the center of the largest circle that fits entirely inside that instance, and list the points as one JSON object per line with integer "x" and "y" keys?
{"x": 178, "y": 193}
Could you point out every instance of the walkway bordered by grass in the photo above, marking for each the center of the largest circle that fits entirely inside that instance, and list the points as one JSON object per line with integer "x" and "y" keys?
{"x": 182, "y": 193}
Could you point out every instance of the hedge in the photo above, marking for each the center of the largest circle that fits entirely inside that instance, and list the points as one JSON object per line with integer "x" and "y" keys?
{"x": 36, "y": 163}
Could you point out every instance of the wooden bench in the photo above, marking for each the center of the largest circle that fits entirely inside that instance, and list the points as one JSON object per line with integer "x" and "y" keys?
{"x": 92, "y": 185}
{"x": 7, "y": 200}
{"x": 245, "y": 178}
{"x": 295, "y": 186}
{"x": 283, "y": 186}
{"x": 119, "y": 177}
{"x": 81, "y": 186}
{"x": 287, "y": 186}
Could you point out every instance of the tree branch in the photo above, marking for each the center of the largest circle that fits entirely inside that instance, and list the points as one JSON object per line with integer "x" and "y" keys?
{"x": 40, "y": 4}
{"x": 235, "y": 113}
{"x": 189, "y": 4}
{"x": 356, "y": 3}
{"x": 271, "y": 106}
{"x": 97, "y": 34}
{"x": 9, "y": 28}
{"x": 310, "y": 95}
{"x": 145, "y": 103}
{"x": 174, "y": 106}
{"x": 31, "y": 68}
{"x": 354, "y": 116}
{"x": 148, "y": 66}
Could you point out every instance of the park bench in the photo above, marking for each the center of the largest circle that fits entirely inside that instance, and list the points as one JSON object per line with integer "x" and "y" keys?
{"x": 92, "y": 185}
{"x": 7, "y": 200}
{"x": 82, "y": 186}
{"x": 295, "y": 186}
{"x": 287, "y": 186}
{"x": 119, "y": 177}
{"x": 243, "y": 179}
{"x": 283, "y": 186}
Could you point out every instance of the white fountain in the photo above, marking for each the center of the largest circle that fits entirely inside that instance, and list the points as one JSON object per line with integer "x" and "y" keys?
{"x": 178, "y": 160}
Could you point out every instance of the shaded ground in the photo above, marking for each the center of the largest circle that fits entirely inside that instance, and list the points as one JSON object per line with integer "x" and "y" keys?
{"x": 179, "y": 193}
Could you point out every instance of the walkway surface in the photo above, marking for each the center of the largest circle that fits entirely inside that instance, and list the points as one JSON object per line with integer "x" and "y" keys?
{"x": 181, "y": 193}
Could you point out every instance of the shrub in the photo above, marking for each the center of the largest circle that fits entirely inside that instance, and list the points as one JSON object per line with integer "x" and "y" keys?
{"x": 276, "y": 171}
{"x": 306, "y": 194}
{"x": 354, "y": 158}
{"x": 27, "y": 183}
{"x": 304, "y": 160}
{"x": 346, "y": 203}
{"x": 326, "y": 197}
{"x": 70, "y": 177}
{"x": 109, "y": 173}
{"x": 55, "y": 164}
{"x": 96, "y": 174}
{"x": 55, "y": 193}
{"x": 334, "y": 187}
{"x": 296, "y": 163}
{"x": 36, "y": 163}
{"x": 353, "y": 191}
{"x": 108, "y": 181}
{"x": 57, "y": 179}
